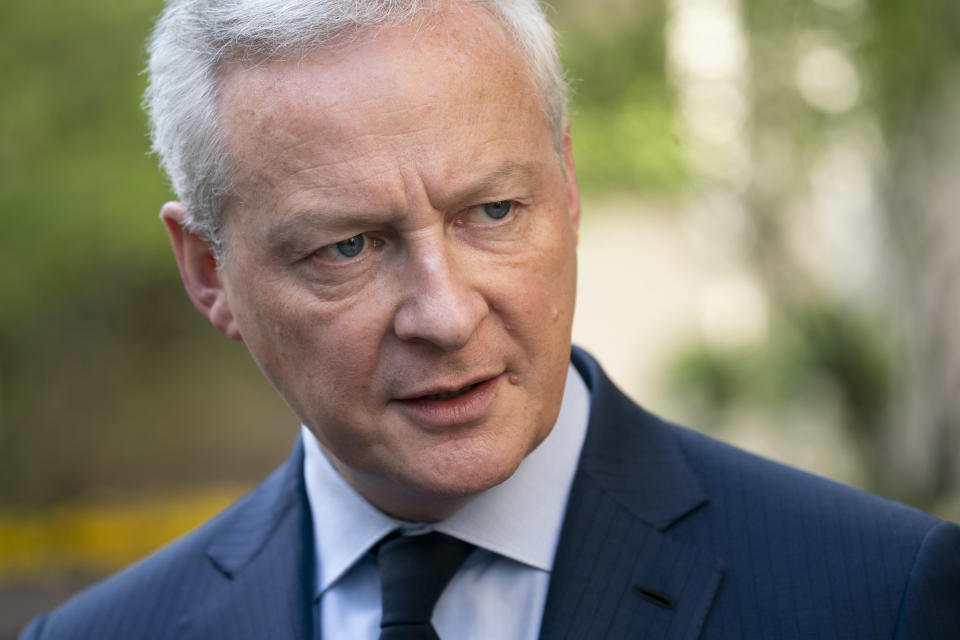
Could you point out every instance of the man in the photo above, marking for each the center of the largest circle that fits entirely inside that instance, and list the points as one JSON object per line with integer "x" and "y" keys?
{"x": 379, "y": 200}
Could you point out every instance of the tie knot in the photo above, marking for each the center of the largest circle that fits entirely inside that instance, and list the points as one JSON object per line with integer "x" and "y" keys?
{"x": 414, "y": 570}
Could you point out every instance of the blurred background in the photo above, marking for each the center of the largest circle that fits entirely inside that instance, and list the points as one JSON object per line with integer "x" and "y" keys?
{"x": 770, "y": 253}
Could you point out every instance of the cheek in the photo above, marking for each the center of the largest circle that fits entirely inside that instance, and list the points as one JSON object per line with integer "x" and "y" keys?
{"x": 320, "y": 357}
{"x": 542, "y": 287}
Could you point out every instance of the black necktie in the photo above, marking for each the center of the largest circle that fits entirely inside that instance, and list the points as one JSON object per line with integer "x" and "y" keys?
{"x": 413, "y": 573}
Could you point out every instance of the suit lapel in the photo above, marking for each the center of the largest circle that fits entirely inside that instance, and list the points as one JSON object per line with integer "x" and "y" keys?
{"x": 616, "y": 573}
{"x": 264, "y": 558}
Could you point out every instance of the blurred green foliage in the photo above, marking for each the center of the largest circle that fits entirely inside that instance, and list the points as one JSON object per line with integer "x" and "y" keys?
{"x": 77, "y": 184}
{"x": 910, "y": 46}
{"x": 622, "y": 112}
{"x": 105, "y": 370}
{"x": 889, "y": 350}
{"x": 827, "y": 346}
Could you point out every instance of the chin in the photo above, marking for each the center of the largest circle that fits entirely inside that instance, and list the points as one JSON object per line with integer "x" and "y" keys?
{"x": 467, "y": 471}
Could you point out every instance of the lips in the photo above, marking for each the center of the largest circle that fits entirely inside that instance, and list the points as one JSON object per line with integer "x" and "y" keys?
{"x": 447, "y": 407}
{"x": 445, "y": 391}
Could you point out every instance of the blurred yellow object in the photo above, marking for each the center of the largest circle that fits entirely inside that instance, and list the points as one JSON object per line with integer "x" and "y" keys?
{"x": 100, "y": 538}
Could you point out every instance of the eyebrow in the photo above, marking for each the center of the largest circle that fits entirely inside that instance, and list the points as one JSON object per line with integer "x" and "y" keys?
{"x": 286, "y": 235}
{"x": 489, "y": 181}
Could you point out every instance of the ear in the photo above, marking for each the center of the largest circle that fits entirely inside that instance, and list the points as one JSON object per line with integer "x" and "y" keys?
{"x": 199, "y": 271}
{"x": 573, "y": 191}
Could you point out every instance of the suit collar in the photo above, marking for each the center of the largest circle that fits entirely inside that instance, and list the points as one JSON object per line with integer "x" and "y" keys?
{"x": 262, "y": 554}
{"x": 617, "y": 571}
{"x": 633, "y": 456}
{"x": 251, "y": 523}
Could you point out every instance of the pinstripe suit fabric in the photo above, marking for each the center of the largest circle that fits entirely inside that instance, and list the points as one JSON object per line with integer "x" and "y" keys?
{"x": 668, "y": 534}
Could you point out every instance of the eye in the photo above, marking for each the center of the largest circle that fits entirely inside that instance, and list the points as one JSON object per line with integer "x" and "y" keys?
{"x": 344, "y": 250}
{"x": 351, "y": 247}
{"x": 498, "y": 210}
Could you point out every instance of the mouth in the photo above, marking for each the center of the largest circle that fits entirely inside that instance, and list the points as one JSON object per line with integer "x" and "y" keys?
{"x": 449, "y": 395}
{"x": 440, "y": 407}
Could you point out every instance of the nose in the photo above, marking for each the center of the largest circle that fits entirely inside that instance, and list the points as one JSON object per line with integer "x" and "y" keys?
{"x": 440, "y": 303}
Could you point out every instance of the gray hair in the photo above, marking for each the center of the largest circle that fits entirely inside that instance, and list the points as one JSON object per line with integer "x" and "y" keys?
{"x": 193, "y": 39}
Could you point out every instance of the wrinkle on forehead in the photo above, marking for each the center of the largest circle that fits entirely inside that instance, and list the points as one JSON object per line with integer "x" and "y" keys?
{"x": 470, "y": 33}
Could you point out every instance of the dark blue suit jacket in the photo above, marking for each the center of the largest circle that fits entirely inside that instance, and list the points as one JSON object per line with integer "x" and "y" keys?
{"x": 668, "y": 534}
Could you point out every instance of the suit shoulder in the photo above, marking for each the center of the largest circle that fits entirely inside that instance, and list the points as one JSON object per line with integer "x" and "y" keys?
{"x": 785, "y": 534}
{"x": 813, "y": 526}
{"x": 737, "y": 477}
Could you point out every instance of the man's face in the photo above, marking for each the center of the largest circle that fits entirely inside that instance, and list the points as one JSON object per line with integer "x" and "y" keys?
{"x": 400, "y": 255}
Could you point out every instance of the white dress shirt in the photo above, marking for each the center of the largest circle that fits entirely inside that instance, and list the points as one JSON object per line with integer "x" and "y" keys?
{"x": 500, "y": 590}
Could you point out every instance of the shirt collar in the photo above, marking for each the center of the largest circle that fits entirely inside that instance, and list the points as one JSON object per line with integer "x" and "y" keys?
{"x": 519, "y": 518}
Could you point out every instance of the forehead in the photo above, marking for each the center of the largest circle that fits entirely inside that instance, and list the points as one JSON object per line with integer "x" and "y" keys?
{"x": 453, "y": 84}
